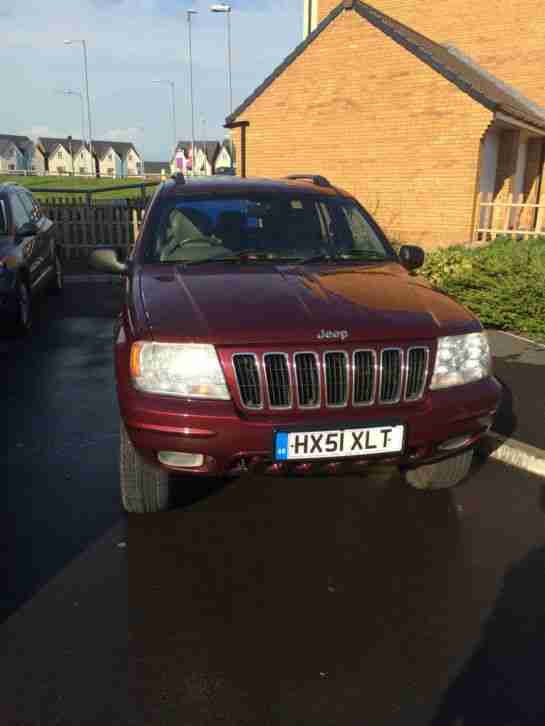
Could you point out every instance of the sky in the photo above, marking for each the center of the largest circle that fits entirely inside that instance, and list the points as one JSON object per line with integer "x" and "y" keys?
{"x": 129, "y": 44}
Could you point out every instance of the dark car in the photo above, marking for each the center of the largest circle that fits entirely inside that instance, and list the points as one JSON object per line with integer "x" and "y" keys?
{"x": 270, "y": 326}
{"x": 29, "y": 258}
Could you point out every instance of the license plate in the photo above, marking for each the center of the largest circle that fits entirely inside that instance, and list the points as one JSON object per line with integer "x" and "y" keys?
{"x": 338, "y": 443}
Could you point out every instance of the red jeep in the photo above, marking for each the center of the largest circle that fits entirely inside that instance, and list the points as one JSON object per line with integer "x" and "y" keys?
{"x": 270, "y": 326}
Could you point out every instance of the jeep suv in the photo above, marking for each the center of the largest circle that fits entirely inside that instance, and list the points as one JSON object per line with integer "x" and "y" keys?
{"x": 270, "y": 326}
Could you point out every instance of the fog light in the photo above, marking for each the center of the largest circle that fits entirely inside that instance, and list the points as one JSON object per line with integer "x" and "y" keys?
{"x": 455, "y": 443}
{"x": 180, "y": 460}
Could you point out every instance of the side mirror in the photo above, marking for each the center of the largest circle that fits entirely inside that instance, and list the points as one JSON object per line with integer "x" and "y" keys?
{"x": 411, "y": 256}
{"x": 28, "y": 229}
{"x": 105, "y": 260}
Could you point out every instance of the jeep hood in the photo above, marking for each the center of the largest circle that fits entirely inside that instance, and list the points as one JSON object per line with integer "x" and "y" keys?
{"x": 266, "y": 304}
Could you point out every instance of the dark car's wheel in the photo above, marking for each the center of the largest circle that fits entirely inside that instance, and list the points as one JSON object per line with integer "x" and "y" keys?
{"x": 144, "y": 487}
{"x": 23, "y": 321}
{"x": 441, "y": 475}
{"x": 57, "y": 284}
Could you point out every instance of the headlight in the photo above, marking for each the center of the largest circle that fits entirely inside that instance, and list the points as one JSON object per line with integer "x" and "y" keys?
{"x": 176, "y": 369}
{"x": 461, "y": 359}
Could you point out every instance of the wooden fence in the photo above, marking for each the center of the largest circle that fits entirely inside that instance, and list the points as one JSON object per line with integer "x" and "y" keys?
{"x": 512, "y": 216}
{"x": 80, "y": 226}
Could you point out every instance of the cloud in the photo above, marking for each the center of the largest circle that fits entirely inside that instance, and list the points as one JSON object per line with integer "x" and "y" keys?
{"x": 34, "y": 132}
{"x": 131, "y": 133}
{"x": 128, "y": 46}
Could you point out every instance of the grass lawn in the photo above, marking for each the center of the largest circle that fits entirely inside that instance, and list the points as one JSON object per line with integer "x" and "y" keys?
{"x": 40, "y": 185}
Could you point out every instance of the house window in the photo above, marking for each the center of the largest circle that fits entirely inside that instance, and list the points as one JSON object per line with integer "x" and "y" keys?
{"x": 110, "y": 157}
{"x": 82, "y": 170}
{"x": 59, "y": 155}
{"x": 111, "y": 172}
{"x": 11, "y": 167}
{"x": 81, "y": 155}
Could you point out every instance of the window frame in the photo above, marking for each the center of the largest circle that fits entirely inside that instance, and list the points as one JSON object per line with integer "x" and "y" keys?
{"x": 5, "y": 217}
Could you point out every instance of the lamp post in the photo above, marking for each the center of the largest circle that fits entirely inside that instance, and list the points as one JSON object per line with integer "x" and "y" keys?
{"x": 173, "y": 100}
{"x": 84, "y": 46}
{"x": 226, "y": 9}
{"x": 189, "y": 13}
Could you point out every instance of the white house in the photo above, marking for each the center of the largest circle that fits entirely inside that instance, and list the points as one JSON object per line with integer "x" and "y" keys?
{"x": 224, "y": 160}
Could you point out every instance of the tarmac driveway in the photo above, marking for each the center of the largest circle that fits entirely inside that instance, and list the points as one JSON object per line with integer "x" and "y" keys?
{"x": 292, "y": 601}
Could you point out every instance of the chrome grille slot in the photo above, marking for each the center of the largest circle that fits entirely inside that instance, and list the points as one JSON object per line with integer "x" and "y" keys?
{"x": 247, "y": 374}
{"x": 278, "y": 380}
{"x": 390, "y": 375}
{"x": 364, "y": 367}
{"x": 308, "y": 380}
{"x": 417, "y": 371}
{"x": 336, "y": 378}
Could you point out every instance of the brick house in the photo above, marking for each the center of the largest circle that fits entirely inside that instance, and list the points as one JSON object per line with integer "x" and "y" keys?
{"x": 419, "y": 128}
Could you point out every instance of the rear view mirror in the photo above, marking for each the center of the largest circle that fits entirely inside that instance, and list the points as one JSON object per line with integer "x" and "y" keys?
{"x": 28, "y": 229}
{"x": 411, "y": 256}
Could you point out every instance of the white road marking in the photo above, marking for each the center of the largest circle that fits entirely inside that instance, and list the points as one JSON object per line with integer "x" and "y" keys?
{"x": 515, "y": 453}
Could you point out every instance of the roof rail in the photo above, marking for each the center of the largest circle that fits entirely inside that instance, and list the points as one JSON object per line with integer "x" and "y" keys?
{"x": 320, "y": 181}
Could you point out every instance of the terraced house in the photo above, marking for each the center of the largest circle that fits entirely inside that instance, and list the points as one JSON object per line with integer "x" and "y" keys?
{"x": 20, "y": 154}
{"x": 431, "y": 113}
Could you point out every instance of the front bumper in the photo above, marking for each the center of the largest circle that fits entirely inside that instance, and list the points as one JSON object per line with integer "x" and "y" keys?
{"x": 232, "y": 441}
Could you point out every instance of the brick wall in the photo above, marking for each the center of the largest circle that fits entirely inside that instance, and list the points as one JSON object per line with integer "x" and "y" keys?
{"x": 379, "y": 123}
{"x": 506, "y": 37}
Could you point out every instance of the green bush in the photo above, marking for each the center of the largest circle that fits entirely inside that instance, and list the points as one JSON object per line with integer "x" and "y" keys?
{"x": 503, "y": 283}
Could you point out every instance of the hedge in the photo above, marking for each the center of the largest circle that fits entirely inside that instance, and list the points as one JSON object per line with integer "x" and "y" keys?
{"x": 503, "y": 283}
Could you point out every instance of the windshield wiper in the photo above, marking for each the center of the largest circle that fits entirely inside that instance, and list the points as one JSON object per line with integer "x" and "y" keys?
{"x": 243, "y": 256}
{"x": 370, "y": 256}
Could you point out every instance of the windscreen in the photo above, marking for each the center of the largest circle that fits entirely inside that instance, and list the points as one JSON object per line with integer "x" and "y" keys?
{"x": 280, "y": 227}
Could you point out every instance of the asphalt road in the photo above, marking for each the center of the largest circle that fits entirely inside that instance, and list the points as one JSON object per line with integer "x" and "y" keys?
{"x": 285, "y": 601}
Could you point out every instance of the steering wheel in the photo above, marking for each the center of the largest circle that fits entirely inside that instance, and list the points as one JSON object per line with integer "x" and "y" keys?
{"x": 176, "y": 244}
{"x": 212, "y": 241}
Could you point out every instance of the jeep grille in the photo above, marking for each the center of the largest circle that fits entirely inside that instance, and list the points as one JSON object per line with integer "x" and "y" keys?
{"x": 334, "y": 379}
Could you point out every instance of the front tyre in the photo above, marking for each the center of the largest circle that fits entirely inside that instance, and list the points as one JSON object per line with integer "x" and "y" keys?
{"x": 441, "y": 475}
{"x": 23, "y": 321}
{"x": 57, "y": 284}
{"x": 144, "y": 487}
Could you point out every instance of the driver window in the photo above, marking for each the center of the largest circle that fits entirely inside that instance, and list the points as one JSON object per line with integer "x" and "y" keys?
{"x": 361, "y": 232}
{"x": 20, "y": 215}
{"x": 181, "y": 226}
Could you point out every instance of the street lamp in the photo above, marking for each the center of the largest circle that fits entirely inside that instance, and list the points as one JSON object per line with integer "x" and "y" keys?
{"x": 172, "y": 91}
{"x": 189, "y": 13}
{"x": 84, "y": 46}
{"x": 223, "y": 8}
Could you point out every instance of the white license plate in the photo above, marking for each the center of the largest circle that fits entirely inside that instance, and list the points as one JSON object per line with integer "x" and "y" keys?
{"x": 338, "y": 443}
